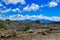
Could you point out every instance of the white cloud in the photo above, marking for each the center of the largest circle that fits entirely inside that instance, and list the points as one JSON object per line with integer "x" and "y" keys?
{"x": 16, "y": 9}
{"x": 1, "y": 4}
{"x": 32, "y": 7}
{"x": 56, "y": 18}
{"x": 57, "y": 1}
{"x": 53, "y": 4}
{"x": 33, "y": 17}
{"x": 27, "y": 8}
{"x": 1, "y": 17}
{"x": 8, "y": 10}
{"x": 14, "y": 1}
{"x": 5, "y": 11}
{"x": 17, "y": 17}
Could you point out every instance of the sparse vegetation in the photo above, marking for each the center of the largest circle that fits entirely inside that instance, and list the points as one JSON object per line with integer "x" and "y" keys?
{"x": 21, "y": 30}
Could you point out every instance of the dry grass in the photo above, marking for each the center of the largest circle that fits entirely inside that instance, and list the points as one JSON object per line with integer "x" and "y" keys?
{"x": 28, "y": 36}
{"x": 32, "y": 36}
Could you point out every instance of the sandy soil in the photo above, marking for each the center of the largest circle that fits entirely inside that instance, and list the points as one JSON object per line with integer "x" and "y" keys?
{"x": 28, "y": 36}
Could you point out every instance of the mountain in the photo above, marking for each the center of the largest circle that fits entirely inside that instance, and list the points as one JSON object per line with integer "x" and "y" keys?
{"x": 41, "y": 20}
{"x": 46, "y": 21}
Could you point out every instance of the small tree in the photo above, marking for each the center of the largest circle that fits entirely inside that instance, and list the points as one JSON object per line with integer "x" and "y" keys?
{"x": 37, "y": 21}
{"x": 7, "y": 20}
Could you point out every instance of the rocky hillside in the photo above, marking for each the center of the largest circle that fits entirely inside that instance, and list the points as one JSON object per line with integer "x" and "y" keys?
{"x": 13, "y": 29}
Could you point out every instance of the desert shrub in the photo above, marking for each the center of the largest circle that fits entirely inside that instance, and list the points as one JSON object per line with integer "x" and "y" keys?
{"x": 2, "y": 37}
{"x": 7, "y": 20}
{"x": 28, "y": 25}
{"x": 1, "y": 26}
{"x": 50, "y": 29}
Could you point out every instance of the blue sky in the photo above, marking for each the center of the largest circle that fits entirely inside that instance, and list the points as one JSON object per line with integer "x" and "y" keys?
{"x": 30, "y": 9}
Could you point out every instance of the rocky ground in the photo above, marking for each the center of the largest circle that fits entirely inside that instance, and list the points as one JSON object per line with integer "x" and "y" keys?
{"x": 12, "y": 30}
{"x": 55, "y": 36}
{"x": 30, "y": 36}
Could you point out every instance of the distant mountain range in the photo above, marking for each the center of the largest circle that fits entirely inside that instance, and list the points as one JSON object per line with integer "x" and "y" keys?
{"x": 41, "y": 20}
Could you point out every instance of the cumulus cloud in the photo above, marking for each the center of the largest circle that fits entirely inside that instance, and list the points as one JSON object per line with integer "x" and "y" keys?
{"x": 16, "y": 17}
{"x": 32, "y": 7}
{"x": 53, "y": 4}
{"x": 56, "y": 18}
{"x": 14, "y": 1}
{"x": 8, "y": 10}
{"x": 33, "y": 17}
{"x": 57, "y": 1}
{"x": 1, "y": 4}
{"x": 5, "y": 11}
{"x": 1, "y": 17}
{"x": 16, "y": 10}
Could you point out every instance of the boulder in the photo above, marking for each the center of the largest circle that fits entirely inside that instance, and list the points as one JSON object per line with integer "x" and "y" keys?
{"x": 44, "y": 33}
{"x": 30, "y": 31}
